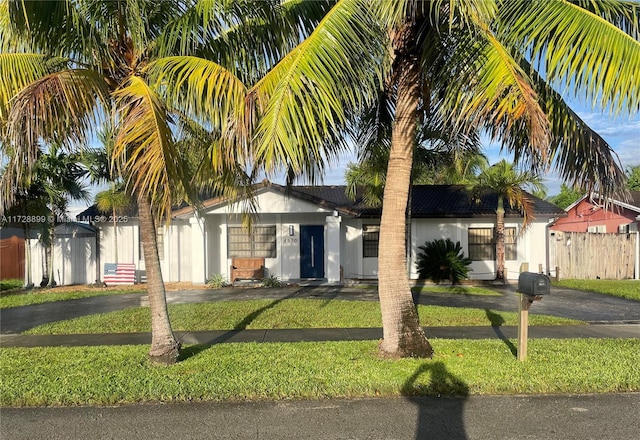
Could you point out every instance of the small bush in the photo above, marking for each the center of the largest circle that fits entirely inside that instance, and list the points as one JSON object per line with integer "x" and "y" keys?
{"x": 11, "y": 284}
{"x": 443, "y": 260}
{"x": 217, "y": 281}
{"x": 272, "y": 281}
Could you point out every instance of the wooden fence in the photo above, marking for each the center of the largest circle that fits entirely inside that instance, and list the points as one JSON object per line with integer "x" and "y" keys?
{"x": 584, "y": 255}
{"x": 12, "y": 258}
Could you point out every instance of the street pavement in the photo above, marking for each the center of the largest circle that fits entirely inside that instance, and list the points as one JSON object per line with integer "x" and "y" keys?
{"x": 579, "y": 417}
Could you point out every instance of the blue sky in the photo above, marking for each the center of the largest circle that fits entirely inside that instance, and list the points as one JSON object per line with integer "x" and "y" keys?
{"x": 622, "y": 133}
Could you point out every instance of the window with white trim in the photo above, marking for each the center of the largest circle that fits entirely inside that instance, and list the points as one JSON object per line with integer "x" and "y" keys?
{"x": 259, "y": 241}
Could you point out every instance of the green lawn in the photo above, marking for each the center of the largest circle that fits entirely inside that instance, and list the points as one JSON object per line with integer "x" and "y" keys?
{"x": 121, "y": 374}
{"x": 623, "y": 288}
{"x": 40, "y": 296}
{"x": 289, "y": 313}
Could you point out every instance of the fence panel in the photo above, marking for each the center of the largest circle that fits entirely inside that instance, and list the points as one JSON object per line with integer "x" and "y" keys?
{"x": 584, "y": 255}
{"x": 12, "y": 258}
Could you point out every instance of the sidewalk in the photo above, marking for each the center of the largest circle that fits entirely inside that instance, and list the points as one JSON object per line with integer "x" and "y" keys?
{"x": 322, "y": 334}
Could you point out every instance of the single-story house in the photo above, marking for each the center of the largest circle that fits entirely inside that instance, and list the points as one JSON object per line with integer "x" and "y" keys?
{"x": 593, "y": 213}
{"x": 318, "y": 233}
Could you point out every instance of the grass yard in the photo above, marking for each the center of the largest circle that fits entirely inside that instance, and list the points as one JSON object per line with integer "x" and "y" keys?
{"x": 122, "y": 374}
{"x": 288, "y": 313}
{"x": 39, "y": 296}
{"x": 629, "y": 289}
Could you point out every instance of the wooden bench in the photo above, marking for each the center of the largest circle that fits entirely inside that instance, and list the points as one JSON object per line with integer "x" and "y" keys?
{"x": 247, "y": 269}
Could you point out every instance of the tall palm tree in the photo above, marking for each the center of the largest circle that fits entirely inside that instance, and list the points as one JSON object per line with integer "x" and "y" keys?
{"x": 473, "y": 62}
{"x": 509, "y": 184}
{"x": 61, "y": 177}
{"x": 67, "y": 65}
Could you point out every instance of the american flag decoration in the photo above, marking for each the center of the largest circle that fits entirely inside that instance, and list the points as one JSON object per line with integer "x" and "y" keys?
{"x": 119, "y": 274}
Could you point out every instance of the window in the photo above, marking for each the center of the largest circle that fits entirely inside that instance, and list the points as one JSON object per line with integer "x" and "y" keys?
{"x": 510, "y": 248}
{"x": 482, "y": 246}
{"x": 260, "y": 241}
{"x": 370, "y": 240}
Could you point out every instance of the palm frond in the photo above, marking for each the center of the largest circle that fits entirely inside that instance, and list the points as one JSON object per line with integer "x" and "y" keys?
{"x": 579, "y": 49}
{"x": 306, "y": 100}
{"x": 145, "y": 145}
{"x": 61, "y": 107}
{"x": 496, "y": 92}
{"x": 206, "y": 91}
{"x": 580, "y": 155}
{"x": 17, "y": 70}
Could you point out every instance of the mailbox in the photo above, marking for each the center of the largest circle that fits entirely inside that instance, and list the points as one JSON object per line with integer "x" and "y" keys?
{"x": 534, "y": 284}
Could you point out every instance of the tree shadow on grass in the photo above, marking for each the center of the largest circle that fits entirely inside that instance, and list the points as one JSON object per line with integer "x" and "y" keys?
{"x": 497, "y": 321}
{"x": 440, "y": 402}
{"x": 242, "y": 325}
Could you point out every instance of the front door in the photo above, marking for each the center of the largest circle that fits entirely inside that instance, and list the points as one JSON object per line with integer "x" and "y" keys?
{"x": 312, "y": 251}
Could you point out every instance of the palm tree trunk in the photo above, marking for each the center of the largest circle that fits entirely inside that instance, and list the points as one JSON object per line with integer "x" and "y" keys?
{"x": 164, "y": 347}
{"x": 52, "y": 250}
{"x": 27, "y": 255}
{"x": 500, "y": 240}
{"x": 402, "y": 334}
{"x": 115, "y": 235}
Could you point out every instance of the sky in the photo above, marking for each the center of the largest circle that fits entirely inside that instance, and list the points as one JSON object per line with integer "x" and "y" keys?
{"x": 622, "y": 134}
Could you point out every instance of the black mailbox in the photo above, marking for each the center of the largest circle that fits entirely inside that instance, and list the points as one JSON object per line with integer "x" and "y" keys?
{"x": 530, "y": 283}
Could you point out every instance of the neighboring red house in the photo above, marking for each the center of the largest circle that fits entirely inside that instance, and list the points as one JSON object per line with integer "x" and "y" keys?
{"x": 592, "y": 213}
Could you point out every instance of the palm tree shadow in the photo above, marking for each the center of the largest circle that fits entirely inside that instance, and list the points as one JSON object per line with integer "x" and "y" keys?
{"x": 496, "y": 322}
{"x": 438, "y": 417}
{"x": 194, "y": 350}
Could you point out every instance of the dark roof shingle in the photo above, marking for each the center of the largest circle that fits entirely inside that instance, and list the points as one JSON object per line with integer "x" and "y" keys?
{"x": 427, "y": 201}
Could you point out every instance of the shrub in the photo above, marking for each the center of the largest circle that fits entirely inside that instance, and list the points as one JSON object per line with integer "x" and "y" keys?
{"x": 442, "y": 260}
{"x": 272, "y": 281}
{"x": 217, "y": 281}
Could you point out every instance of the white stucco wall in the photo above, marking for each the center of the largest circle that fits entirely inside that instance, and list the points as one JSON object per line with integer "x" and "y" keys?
{"x": 531, "y": 246}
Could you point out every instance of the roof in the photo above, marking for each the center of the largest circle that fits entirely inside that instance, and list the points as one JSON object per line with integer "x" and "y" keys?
{"x": 427, "y": 201}
{"x": 633, "y": 203}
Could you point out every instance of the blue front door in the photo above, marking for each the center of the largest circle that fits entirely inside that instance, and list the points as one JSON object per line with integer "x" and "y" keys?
{"x": 312, "y": 251}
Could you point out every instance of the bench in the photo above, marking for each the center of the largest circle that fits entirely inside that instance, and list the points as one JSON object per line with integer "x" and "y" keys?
{"x": 247, "y": 269}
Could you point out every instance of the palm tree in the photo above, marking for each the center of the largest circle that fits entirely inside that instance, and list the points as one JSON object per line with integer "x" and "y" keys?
{"x": 442, "y": 155}
{"x": 475, "y": 63}
{"x": 508, "y": 183}
{"x": 60, "y": 176}
{"x": 146, "y": 65}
